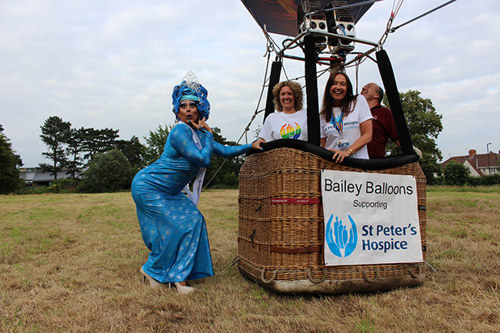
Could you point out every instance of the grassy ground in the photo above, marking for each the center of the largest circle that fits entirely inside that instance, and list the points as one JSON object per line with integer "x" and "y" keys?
{"x": 70, "y": 263}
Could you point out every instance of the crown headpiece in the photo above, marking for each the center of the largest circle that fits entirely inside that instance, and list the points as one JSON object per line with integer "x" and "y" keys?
{"x": 191, "y": 81}
{"x": 190, "y": 88}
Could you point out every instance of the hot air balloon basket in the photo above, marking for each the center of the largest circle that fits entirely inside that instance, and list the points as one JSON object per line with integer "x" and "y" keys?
{"x": 281, "y": 228}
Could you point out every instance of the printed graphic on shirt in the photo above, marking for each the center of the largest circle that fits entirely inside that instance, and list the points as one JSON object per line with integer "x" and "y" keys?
{"x": 287, "y": 131}
{"x": 331, "y": 128}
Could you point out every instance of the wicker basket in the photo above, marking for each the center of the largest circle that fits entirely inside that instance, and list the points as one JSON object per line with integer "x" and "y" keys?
{"x": 281, "y": 245}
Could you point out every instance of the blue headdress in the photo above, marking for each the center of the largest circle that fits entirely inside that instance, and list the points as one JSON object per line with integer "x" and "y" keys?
{"x": 190, "y": 89}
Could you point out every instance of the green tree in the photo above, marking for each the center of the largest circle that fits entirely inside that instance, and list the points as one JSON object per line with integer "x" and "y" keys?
{"x": 133, "y": 151}
{"x": 107, "y": 172}
{"x": 9, "y": 161}
{"x": 98, "y": 141}
{"x": 455, "y": 174}
{"x": 55, "y": 134}
{"x": 155, "y": 143}
{"x": 424, "y": 125}
{"x": 223, "y": 172}
{"x": 74, "y": 149}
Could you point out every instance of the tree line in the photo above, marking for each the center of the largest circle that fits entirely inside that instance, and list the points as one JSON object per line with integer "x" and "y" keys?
{"x": 9, "y": 163}
{"x": 97, "y": 160}
{"x": 457, "y": 174}
{"x": 71, "y": 149}
{"x": 424, "y": 126}
{"x": 104, "y": 162}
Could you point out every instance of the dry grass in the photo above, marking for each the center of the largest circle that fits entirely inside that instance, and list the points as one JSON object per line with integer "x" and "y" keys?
{"x": 69, "y": 263}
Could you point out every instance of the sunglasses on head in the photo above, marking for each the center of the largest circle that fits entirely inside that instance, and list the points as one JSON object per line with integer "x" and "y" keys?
{"x": 185, "y": 105}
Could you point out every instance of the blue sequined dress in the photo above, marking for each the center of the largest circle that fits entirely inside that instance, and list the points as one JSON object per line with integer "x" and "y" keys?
{"x": 172, "y": 227}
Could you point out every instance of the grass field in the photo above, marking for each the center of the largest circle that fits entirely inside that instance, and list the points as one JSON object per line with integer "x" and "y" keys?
{"x": 70, "y": 263}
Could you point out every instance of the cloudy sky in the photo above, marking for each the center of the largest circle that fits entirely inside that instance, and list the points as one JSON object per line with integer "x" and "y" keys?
{"x": 114, "y": 63}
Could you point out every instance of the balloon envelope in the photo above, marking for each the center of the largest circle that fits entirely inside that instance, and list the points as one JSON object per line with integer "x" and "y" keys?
{"x": 280, "y": 16}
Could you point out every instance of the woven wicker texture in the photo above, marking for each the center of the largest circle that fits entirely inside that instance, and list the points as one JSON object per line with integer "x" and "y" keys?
{"x": 281, "y": 245}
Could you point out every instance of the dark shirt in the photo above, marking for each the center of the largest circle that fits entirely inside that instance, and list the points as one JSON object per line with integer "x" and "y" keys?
{"x": 384, "y": 128}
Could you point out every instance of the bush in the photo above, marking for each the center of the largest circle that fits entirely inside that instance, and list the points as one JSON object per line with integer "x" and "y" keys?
{"x": 455, "y": 174}
{"x": 484, "y": 180}
{"x": 33, "y": 190}
{"x": 107, "y": 172}
{"x": 64, "y": 186}
{"x": 9, "y": 174}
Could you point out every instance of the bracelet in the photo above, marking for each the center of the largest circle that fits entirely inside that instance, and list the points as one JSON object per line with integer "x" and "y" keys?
{"x": 349, "y": 151}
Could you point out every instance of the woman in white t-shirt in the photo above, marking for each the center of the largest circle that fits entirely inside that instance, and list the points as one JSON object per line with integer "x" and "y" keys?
{"x": 345, "y": 120}
{"x": 289, "y": 121}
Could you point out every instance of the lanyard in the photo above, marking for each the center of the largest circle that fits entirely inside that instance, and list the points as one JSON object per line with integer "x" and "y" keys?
{"x": 338, "y": 122}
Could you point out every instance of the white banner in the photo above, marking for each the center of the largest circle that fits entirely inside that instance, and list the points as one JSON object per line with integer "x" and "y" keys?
{"x": 370, "y": 218}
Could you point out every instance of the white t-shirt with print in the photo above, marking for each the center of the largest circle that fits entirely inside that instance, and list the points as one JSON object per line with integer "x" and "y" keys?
{"x": 281, "y": 125}
{"x": 351, "y": 128}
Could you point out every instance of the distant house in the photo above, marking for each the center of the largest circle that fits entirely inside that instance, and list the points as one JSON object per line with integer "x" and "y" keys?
{"x": 34, "y": 177}
{"x": 478, "y": 164}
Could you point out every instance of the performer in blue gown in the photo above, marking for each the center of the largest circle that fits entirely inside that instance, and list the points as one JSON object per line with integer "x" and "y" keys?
{"x": 172, "y": 227}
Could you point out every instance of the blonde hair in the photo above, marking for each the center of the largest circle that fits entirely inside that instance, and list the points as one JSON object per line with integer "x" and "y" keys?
{"x": 298, "y": 96}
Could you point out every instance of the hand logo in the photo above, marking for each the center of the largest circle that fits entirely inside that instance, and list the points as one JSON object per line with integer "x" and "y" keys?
{"x": 338, "y": 239}
{"x": 288, "y": 131}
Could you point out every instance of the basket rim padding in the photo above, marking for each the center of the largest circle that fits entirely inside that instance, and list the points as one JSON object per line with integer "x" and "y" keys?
{"x": 365, "y": 164}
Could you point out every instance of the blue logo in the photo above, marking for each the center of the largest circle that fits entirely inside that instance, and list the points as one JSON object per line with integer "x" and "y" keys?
{"x": 339, "y": 239}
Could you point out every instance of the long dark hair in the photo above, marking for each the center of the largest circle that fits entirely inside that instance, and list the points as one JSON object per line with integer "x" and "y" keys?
{"x": 346, "y": 105}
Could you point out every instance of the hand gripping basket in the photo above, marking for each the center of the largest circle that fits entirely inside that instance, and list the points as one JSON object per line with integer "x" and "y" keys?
{"x": 280, "y": 245}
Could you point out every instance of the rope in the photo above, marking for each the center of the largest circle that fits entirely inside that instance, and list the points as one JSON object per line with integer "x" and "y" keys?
{"x": 262, "y": 275}
{"x": 271, "y": 44}
{"x": 235, "y": 261}
{"x": 323, "y": 278}
{"x": 367, "y": 279}
{"x": 272, "y": 47}
{"x": 435, "y": 271}
{"x": 256, "y": 112}
{"x": 395, "y": 10}
{"x": 424, "y": 14}
{"x": 396, "y": 7}
{"x": 417, "y": 275}
{"x": 357, "y": 76}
